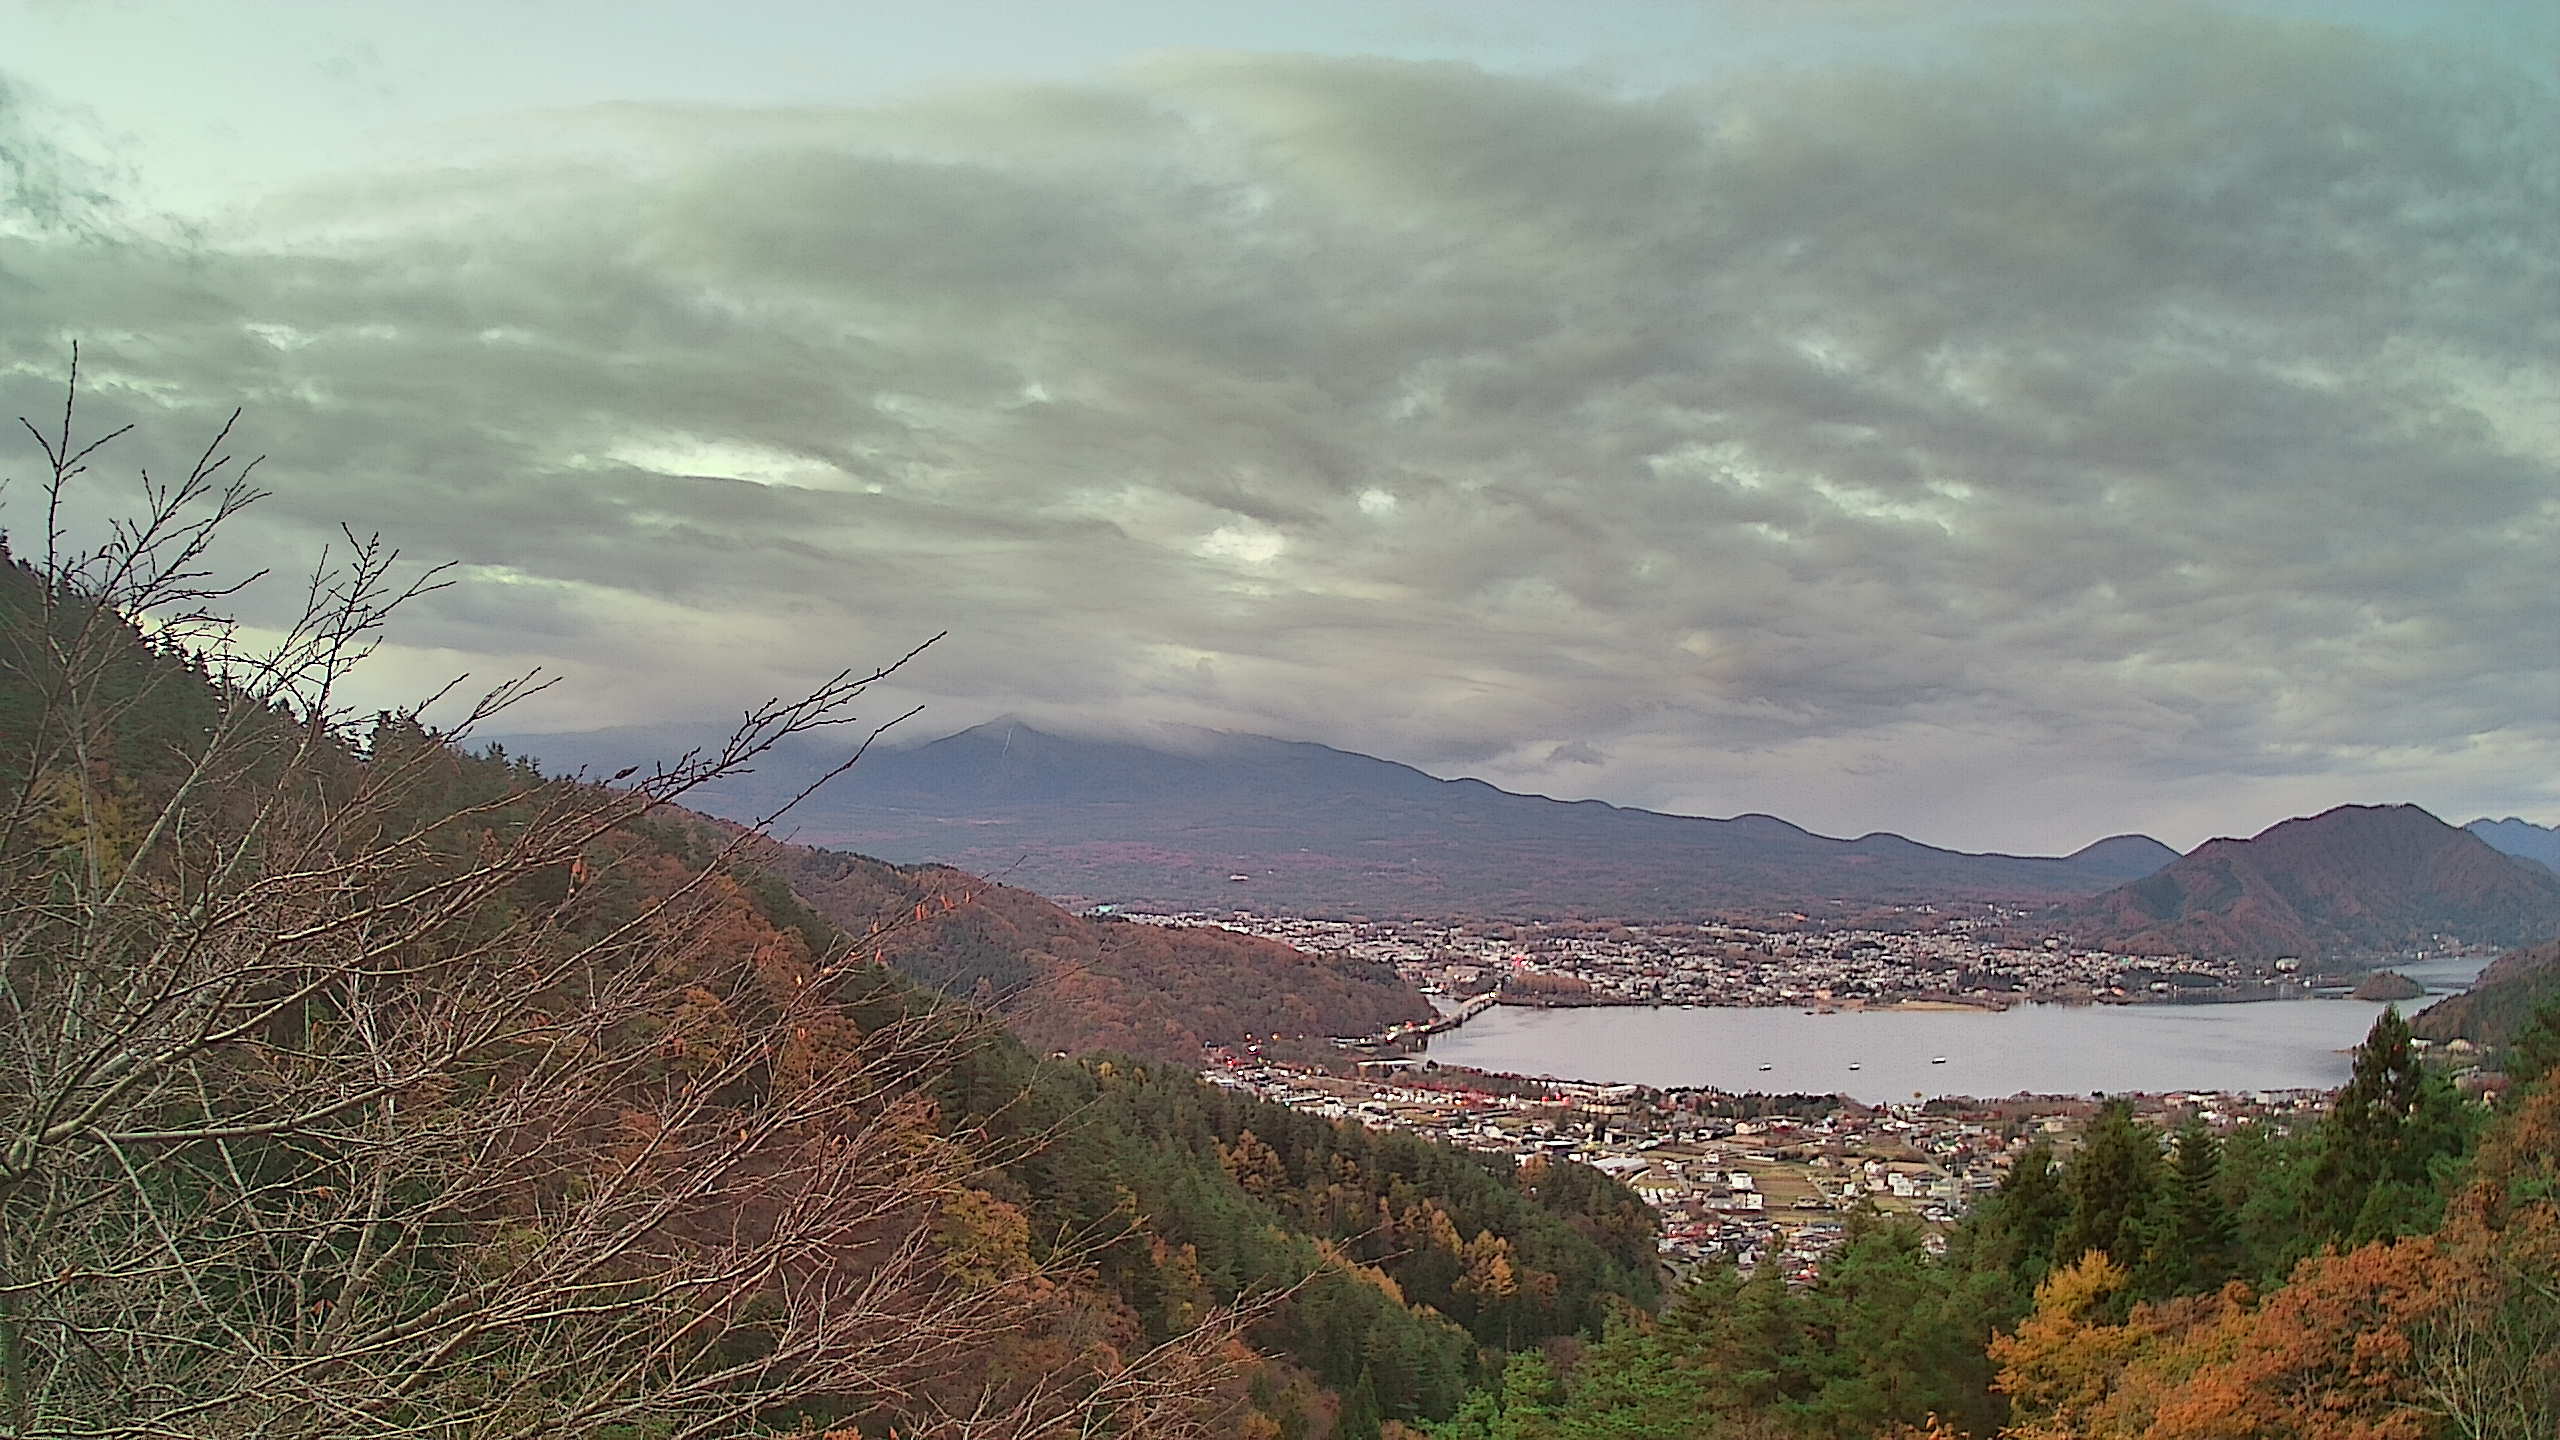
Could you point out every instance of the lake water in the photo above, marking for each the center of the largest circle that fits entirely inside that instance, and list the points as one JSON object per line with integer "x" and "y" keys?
{"x": 2044, "y": 1049}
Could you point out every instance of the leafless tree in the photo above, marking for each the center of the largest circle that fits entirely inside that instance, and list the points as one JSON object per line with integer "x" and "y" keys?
{"x": 349, "y": 1087}
{"x": 2488, "y": 1359}
{"x": 2487, "y": 1352}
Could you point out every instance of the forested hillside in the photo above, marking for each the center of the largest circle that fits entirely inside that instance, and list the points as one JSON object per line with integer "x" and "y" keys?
{"x": 2353, "y": 881}
{"x": 2499, "y": 1002}
{"x": 1066, "y": 982}
{"x": 2521, "y": 838}
{"x": 357, "y": 1085}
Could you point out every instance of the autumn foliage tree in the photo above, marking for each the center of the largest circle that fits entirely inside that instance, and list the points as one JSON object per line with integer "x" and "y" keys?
{"x": 351, "y": 1086}
{"x": 2450, "y": 1332}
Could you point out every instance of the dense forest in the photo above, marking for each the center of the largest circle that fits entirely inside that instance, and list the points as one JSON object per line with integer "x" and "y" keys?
{"x": 2390, "y": 1272}
{"x": 356, "y": 1084}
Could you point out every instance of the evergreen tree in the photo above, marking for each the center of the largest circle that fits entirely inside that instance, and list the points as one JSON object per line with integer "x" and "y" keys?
{"x": 1360, "y": 1419}
{"x": 2016, "y": 1231}
{"x": 1902, "y": 1336}
{"x": 1521, "y": 1403}
{"x": 2387, "y": 1144}
{"x": 2111, "y": 1184}
{"x": 2534, "y": 1050}
{"x": 2263, "y": 1172}
{"x": 2195, "y": 1237}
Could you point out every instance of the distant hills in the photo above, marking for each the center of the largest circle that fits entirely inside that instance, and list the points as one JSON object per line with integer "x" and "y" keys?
{"x": 1315, "y": 830}
{"x": 2523, "y": 838}
{"x": 2122, "y": 855}
{"x": 2354, "y": 881}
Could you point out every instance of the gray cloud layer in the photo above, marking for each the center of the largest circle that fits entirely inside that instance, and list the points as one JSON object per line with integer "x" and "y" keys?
{"x": 2149, "y": 425}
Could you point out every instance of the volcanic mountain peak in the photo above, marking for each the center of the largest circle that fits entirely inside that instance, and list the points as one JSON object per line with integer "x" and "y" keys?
{"x": 1026, "y": 763}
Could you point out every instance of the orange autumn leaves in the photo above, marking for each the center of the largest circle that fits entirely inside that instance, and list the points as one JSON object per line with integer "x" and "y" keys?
{"x": 2328, "y": 1355}
{"x": 2451, "y": 1334}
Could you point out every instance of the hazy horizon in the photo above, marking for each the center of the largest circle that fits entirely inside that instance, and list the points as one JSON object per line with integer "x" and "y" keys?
{"x": 1175, "y": 738}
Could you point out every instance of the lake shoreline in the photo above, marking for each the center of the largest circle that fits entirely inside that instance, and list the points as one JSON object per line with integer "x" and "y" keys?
{"x": 1984, "y": 1005}
{"x": 1893, "y": 1051}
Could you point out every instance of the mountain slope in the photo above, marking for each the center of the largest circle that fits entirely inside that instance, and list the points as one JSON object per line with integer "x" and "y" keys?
{"x": 2521, "y": 838}
{"x": 1316, "y": 830}
{"x": 2499, "y": 1001}
{"x": 628, "y": 1068}
{"x": 2357, "y": 880}
{"x": 1065, "y": 982}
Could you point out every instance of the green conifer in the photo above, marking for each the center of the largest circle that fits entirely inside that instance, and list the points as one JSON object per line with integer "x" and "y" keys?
{"x": 2194, "y": 1236}
{"x": 2386, "y": 1143}
{"x": 2534, "y": 1050}
{"x": 1360, "y": 1418}
{"x": 2111, "y": 1184}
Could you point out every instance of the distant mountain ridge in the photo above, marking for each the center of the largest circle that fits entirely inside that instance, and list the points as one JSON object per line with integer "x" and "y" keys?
{"x": 1320, "y": 831}
{"x": 2521, "y": 838}
{"x": 2358, "y": 880}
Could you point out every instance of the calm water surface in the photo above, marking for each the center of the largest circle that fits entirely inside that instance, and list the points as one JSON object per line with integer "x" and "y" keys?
{"x": 2050, "y": 1049}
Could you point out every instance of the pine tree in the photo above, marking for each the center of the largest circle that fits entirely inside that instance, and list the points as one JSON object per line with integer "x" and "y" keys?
{"x": 2017, "y": 1232}
{"x": 2385, "y": 1145}
{"x": 2111, "y": 1184}
{"x": 2195, "y": 1237}
{"x": 2263, "y": 1174}
{"x": 1360, "y": 1418}
{"x": 2534, "y": 1050}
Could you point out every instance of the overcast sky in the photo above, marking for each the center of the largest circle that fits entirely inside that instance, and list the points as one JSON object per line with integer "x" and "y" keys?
{"x": 2004, "y": 425}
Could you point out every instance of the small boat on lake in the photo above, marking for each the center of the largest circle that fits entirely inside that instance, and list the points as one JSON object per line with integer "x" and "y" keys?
{"x": 1940, "y": 1060}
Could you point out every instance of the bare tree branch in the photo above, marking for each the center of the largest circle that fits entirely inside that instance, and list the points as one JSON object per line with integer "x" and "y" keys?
{"x": 351, "y": 1087}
